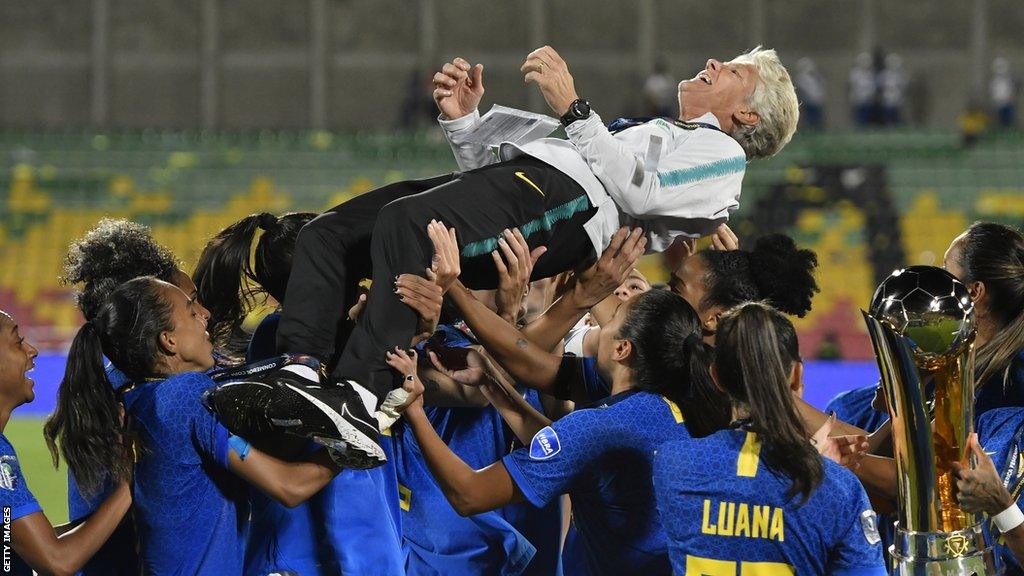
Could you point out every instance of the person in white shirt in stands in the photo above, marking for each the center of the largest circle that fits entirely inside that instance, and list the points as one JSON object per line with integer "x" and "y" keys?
{"x": 665, "y": 177}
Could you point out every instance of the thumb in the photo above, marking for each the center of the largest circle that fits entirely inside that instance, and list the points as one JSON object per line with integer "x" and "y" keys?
{"x": 477, "y": 76}
{"x": 537, "y": 253}
{"x": 984, "y": 460}
{"x": 437, "y": 363}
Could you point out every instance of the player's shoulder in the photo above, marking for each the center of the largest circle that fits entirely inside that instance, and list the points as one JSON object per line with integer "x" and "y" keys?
{"x": 185, "y": 384}
{"x": 6, "y": 448}
{"x": 999, "y": 423}
{"x": 838, "y": 481}
{"x": 722, "y": 445}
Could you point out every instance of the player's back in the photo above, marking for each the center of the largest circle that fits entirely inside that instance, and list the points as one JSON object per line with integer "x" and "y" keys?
{"x": 725, "y": 512}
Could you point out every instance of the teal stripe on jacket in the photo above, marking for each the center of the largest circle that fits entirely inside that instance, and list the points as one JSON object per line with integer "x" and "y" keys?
{"x": 707, "y": 171}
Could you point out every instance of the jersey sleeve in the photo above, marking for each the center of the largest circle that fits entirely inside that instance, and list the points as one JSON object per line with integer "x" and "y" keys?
{"x": 209, "y": 435}
{"x": 15, "y": 497}
{"x": 858, "y": 549}
{"x": 556, "y": 456}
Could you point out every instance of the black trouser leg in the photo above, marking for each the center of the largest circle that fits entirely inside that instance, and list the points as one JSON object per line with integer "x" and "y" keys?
{"x": 548, "y": 206}
{"x": 332, "y": 254}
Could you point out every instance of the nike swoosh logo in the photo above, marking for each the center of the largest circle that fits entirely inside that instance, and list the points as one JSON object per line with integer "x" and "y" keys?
{"x": 336, "y": 418}
{"x": 522, "y": 176}
{"x": 346, "y": 411}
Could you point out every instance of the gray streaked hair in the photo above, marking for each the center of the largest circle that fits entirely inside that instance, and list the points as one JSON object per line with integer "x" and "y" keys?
{"x": 774, "y": 100}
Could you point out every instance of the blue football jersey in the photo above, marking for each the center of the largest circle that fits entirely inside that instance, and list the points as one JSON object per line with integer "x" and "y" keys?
{"x": 725, "y": 512}
{"x": 854, "y": 408}
{"x": 439, "y": 541}
{"x": 602, "y": 458}
{"x": 15, "y": 497}
{"x": 191, "y": 512}
{"x": 1001, "y": 434}
{"x": 352, "y": 526}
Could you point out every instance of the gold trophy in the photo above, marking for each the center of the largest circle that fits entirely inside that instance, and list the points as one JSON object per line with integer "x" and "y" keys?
{"x": 922, "y": 329}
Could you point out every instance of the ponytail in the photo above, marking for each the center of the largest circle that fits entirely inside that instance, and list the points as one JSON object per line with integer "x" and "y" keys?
{"x": 87, "y": 428}
{"x": 87, "y": 423}
{"x": 756, "y": 349}
{"x": 670, "y": 359}
{"x": 222, "y": 273}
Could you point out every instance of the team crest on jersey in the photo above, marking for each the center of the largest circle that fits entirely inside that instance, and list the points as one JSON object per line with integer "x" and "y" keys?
{"x": 545, "y": 444}
{"x": 869, "y": 523}
{"x": 8, "y": 476}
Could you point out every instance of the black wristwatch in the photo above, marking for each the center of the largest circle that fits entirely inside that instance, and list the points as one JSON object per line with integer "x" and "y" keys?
{"x": 578, "y": 110}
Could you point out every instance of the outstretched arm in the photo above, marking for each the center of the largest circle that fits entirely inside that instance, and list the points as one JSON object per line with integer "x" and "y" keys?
{"x": 469, "y": 491}
{"x": 34, "y": 539}
{"x": 290, "y": 483}
{"x": 588, "y": 289}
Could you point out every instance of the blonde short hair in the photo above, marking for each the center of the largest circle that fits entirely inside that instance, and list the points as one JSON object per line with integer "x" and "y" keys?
{"x": 774, "y": 100}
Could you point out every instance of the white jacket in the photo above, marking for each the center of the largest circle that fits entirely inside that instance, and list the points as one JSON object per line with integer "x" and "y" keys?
{"x": 669, "y": 178}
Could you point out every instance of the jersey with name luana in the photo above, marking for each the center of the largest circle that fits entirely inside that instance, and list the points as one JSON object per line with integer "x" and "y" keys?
{"x": 726, "y": 513}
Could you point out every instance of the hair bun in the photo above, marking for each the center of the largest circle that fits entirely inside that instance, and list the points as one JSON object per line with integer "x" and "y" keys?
{"x": 784, "y": 273}
{"x": 267, "y": 221}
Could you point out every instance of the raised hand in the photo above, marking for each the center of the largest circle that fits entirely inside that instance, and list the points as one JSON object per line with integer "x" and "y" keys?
{"x": 545, "y": 68}
{"x": 445, "y": 267}
{"x": 843, "y": 450}
{"x": 473, "y": 373}
{"x": 515, "y": 265}
{"x": 458, "y": 88}
{"x": 425, "y": 297}
{"x": 613, "y": 267}
{"x": 405, "y": 364}
{"x": 724, "y": 238}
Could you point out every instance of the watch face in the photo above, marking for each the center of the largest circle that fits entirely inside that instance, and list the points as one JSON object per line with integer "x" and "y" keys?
{"x": 580, "y": 109}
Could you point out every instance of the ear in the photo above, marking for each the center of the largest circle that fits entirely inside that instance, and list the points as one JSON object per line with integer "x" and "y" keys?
{"x": 978, "y": 292}
{"x": 711, "y": 324}
{"x": 168, "y": 343}
{"x": 623, "y": 350}
{"x": 746, "y": 116}
{"x": 796, "y": 379}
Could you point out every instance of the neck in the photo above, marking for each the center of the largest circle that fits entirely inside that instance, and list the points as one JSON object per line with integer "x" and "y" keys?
{"x": 622, "y": 380}
{"x": 987, "y": 330}
{"x": 5, "y": 413}
{"x": 724, "y": 123}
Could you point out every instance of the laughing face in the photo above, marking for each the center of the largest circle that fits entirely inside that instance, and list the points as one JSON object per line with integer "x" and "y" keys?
{"x": 721, "y": 88}
{"x": 17, "y": 359}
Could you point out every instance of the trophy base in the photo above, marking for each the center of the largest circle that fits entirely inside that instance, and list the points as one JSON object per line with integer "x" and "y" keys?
{"x": 960, "y": 553}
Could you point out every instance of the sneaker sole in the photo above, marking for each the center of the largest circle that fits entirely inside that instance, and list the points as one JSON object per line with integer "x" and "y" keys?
{"x": 350, "y": 436}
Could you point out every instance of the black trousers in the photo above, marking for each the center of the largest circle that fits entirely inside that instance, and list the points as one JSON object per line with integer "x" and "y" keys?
{"x": 383, "y": 233}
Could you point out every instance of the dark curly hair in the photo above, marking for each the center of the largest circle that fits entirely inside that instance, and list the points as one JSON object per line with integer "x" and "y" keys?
{"x": 776, "y": 271}
{"x": 112, "y": 253}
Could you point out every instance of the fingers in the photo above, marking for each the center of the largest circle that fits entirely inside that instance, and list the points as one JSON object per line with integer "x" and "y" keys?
{"x": 615, "y": 245}
{"x": 537, "y": 253}
{"x": 457, "y": 72}
{"x": 402, "y": 361}
{"x": 499, "y": 264}
{"x": 509, "y": 252}
{"x": 477, "y": 76}
{"x": 727, "y": 237}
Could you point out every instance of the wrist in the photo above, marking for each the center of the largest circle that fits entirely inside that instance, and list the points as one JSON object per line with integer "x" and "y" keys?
{"x": 1009, "y": 518}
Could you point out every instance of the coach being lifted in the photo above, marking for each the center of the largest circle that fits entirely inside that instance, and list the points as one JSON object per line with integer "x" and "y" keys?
{"x": 663, "y": 177}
